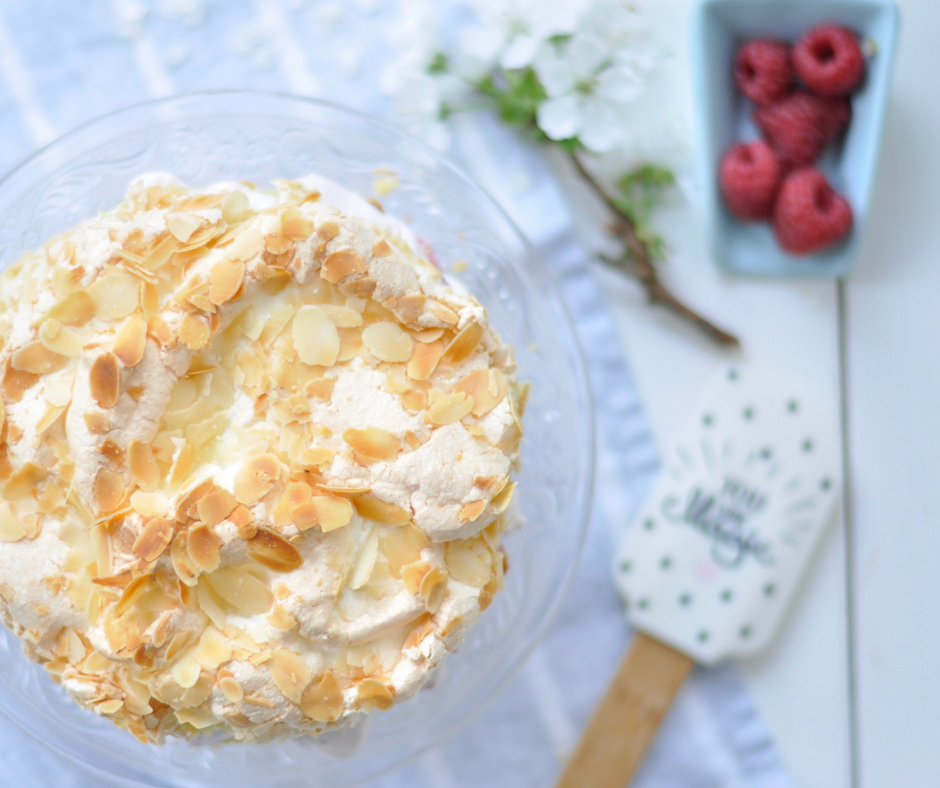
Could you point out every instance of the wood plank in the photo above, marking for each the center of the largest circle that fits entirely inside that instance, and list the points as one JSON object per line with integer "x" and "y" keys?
{"x": 893, "y": 374}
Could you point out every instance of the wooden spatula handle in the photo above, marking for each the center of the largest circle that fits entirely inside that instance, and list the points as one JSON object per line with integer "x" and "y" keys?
{"x": 625, "y": 721}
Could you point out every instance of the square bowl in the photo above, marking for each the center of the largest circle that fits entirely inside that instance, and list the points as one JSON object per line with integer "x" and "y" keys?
{"x": 719, "y": 27}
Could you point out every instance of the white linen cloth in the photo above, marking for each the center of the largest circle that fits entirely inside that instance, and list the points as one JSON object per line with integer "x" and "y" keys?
{"x": 63, "y": 63}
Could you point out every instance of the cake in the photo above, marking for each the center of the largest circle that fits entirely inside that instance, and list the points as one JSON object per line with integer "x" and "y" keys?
{"x": 256, "y": 460}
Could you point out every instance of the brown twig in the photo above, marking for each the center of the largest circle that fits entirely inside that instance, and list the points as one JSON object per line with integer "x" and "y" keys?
{"x": 644, "y": 269}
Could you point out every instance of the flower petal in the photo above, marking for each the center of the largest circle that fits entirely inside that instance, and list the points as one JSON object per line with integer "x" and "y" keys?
{"x": 586, "y": 53}
{"x": 600, "y": 129}
{"x": 560, "y": 117}
{"x": 554, "y": 70}
{"x": 619, "y": 83}
{"x": 519, "y": 52}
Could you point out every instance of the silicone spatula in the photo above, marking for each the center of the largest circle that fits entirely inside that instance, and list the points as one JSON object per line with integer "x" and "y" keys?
{"x": 715, "y": 554}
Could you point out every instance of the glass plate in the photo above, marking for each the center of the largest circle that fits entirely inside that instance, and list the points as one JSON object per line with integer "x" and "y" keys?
{"x": 204, "y": 138}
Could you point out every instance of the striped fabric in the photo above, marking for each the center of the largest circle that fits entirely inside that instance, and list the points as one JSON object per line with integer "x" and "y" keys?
{"x": 63, "y": 63}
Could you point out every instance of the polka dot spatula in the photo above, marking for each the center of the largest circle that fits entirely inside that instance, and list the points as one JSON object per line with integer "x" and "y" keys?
{"x": 714, "y": 556}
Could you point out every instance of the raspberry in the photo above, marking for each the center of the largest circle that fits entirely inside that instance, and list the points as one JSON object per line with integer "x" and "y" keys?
{"x": 829, "y": 60}
{"x": 798, "y": 126}
{"x": 749, "y": 177}
{"x": 762, "y": 70}
{"x": 809, "y": 214}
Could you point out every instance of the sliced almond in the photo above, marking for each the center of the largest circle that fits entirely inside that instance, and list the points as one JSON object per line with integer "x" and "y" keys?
{"x": 229, "y": 686}
{"x": 281, "y": 620}
{"x": 323, "y": 700}
{"x": 143, "y": 467}
{"x": 472, "y": 510}
{"x": 216, "y": 506}
{"x": 388, "y": 341}
{"x": 105, "y": 380}
{"x": 341, "y": 264}
{"x": 194, "y": 332}
{"x": 328, "y": 230}
{"x": 158, "y": 329}
{"x": 61, "y": 339}
{"x": 432, "y": 589}
{"x": 247, "y": 244}
{"x": 329, "y": 511}
{"x": 273, "y": 551}
{"x": 315, "y": 337}
{"x": 132, "y": 593}
{"x": 503, "y": 498}
{"x": 290, "y": 673}
{"x": 183, "y": 225}
{"x": 443, "y": 312}
{"x": 202, "y": 544}
{"x": 241, "y": 590}
{"x": 97, "y": 423}
{"x": 342, "y": 316}
{"x": 365, "y": 562}
{"x": 463, "y": 345}
{"x": 150, "y": 504}
{"x": 320, "y": 388}
{"x": 156, "y": 535}
{"x": 381, "y": 249}
{"x": 428, "y": 335}
{"x": 469, "y": 564}
{"x": 225, "y": 280}
{"x": 372, "y": 694}
{"x": 235, "y": 207}
{"x": 373, "y": 443}
{"x": 377, "y": 510}
{"x": 424, "y": 360}
{"x": 116, "y": 295}
{"x": 450, "y": 408}
{"x": 75, "y": 309}
{"x": 10, "y": 528}
{"x": 35, "y": 358}
{"x": 295, "y": 225}
{"x": 213, "y": 649}
{"x": 108, "y": 490}
{"x": 131, "y": 341}
{"x": 256, "y": 478}
{"x": 413, "y": 574}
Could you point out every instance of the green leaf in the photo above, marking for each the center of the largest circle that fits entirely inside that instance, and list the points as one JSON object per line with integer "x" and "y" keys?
{"x": 571, "y": 145}
{"x": 439, "y": 64}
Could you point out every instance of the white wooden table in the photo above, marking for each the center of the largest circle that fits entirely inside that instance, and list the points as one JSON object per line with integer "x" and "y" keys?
{"x": 851, "y": 690}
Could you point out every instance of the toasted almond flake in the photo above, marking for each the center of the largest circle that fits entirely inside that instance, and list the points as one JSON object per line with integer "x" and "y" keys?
{"x": 341, "y": 264}
{"x": 49, "y": 418}
{"x": 202, "y": 544}
{"x": 211, "y": 603}
{"x": 373, "y": 443}
{"x": 61, "y": 339}
{"x": 373, "y": 694}
{"x": 365, "y": 562}
{"x": 145, "y": 472}
{"x": 116, "y": 295}
{"x": 225, "y": 280}
{"x": 468, "y": 563}
{"x": 241, "y": 590}
{"x": 330, "y": 512}
{"x": 131, "y": 341}
{"x": 182, "y": 466}
{"x": 295, "y": 225}
{"x": 463, "y": 345}
{"x": 37, "y": 359}
{"x": 160, "y": 253}
{"x": 230, "y": 688}
{"x": 158, "y": 329}
{"x": 216, "y": 506}
{"x": 154, "y": 538}
{"x": 97, "y": 423}
{"x": 424, "y": 360}
{"x": 109, "y": 707}
{"x": 377, "y": 510}
{"x": 413, "y": 574}
{"x": 186, "y": 672}
{"x": 183, "y": 225}
{"x": 235, "y": 207}
{"x": 278, "y": 243}
{"x": 397, "y": 381}
{"x": 105, "y": 380}
{"x": 450, "y": 408}
{"x": 472, "y": 510}
{"x": 256, "y": 478}
{"x": 315, "y": 337}
{"x": 388, "y": 341}
{"x": 247, "y": 244}
{"x": 23, "y": 482}
{"x": 407, "y": 308}
{"x": 433, "y": 587}
{"x": 502, "y": 499}
{"x": 137, "y": 587}
{"x": 320, "y": 388}
{"x": 213, "y": 649}
{"x": 342, "y": 316}
{"x": 182, "y": 565}
{"x": 290, "y": 673}
{"x": 75, "y": 309}
{"x": 281, "y": 620}
{"x": 443, "y": 313}
{"x": 381, "y": 249}
{"x": 323, "y": 700}
{"x": 428, "y": 335}
{"x": 10, "y": 528}
{"x": 194, "y": 332}
{"x": 273, "y": 551}
{"x": 328, "y": 230}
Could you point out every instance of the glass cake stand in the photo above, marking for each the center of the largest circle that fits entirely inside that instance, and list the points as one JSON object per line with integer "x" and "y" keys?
{"x": 204, "y": 138}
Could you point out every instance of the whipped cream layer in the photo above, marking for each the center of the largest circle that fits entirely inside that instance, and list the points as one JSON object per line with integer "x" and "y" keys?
{"x": 255, "y": 459}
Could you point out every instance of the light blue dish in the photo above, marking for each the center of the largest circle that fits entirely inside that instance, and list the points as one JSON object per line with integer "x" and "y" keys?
{"x": 719, "y": 27}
